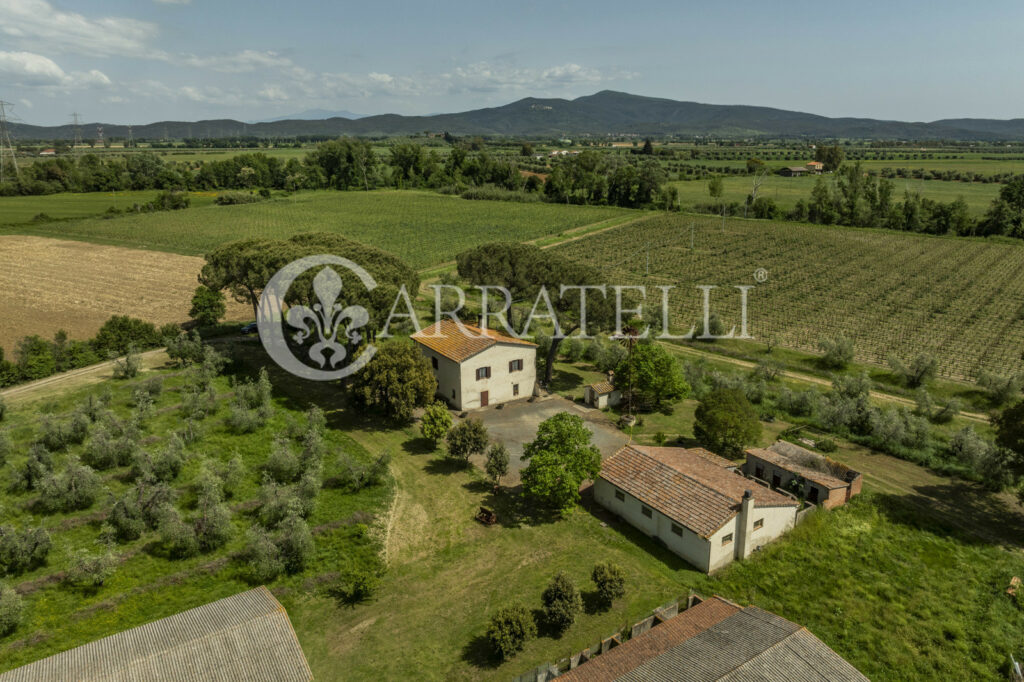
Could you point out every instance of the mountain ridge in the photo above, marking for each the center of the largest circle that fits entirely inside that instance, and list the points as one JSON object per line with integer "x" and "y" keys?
{"x": 604, "y": 113}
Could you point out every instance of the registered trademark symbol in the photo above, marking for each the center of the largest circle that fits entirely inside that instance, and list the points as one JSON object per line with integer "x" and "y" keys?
{"x": 760, "y": 275}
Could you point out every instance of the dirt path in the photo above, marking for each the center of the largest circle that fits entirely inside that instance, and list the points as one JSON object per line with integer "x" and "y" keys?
{"x": 806, "y": 378}
{"x": 76, "y": 378}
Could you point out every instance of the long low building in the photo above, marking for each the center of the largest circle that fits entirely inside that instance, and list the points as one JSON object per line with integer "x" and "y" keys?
{"x": 817, "y": 479}
{"x": 719, "y": 641}
{"x": 694, "y": 501}
{"x": 244, "y": 638}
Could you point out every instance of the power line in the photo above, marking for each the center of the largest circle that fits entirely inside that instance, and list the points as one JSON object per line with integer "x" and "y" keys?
{"x": 6, "y": 148}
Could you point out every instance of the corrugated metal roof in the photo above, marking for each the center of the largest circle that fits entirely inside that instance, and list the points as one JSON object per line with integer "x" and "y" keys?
{"x": 247, "y": 637}
{"x": 749, "y": 645}
{"x": 447, "y": 339}
{"x": 686, "y": 486}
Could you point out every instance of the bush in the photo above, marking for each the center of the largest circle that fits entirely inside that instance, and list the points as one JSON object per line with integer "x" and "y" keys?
{"x": 496, "y": 465}
{"x": 261, "y": 557}
{"x": 827, "y": 445}
{"x": 610, "y": 581}
{"x": 467, "y": 438}
{"x": 186, "y": 349}
{"x": 125, "y": 519}
{"x": 86, "y": 569}
{"x": 233, "y": 198}
{"x": 397, "y": 380}
{"x": 172, "y": 200}
{"x": 24, "y": 550}
{"x": 510, "y": 629}
{"x": 355, "y": 587}
{"x": 212, "y": 522}
{"x": 37, "y": 466}
{"x": 920, "y": 371}
{"x": 129, "y": 366}
{"x": 562, "y": 603}
{"x": 75, "y": 488}
{"x": 1000, "y": 389}
{"x": 726, "y": 422}
{"x": 12, "y": 608}
{"x": 282, "y": 465}
{"x": 178, "y": 538}
{"x": 837, "y": 352}
{"x": 295, "y": 544}
{"x": 436, "y": 423}
{"x": 121, "y": 333}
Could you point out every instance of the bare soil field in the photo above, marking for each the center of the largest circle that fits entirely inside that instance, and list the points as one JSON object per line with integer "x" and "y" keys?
{"x": 52, "y": 284}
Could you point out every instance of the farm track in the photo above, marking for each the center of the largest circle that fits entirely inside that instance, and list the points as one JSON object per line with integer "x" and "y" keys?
{"x": 150, "y": 359}
{"x": 806, "y": 378}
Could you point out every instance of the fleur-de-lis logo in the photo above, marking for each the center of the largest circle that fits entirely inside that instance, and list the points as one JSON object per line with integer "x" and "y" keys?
{"x": 329, "y": 321}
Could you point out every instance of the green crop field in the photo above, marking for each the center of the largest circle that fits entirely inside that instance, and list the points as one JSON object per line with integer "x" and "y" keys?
{"x": 69, "y": 205}
{"x": 962, "y": 300}
{"x": 787, "y": 191}
{"x": 423, "y": 228}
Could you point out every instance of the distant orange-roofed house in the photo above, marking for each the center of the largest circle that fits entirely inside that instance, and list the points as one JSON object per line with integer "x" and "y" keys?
{"x": 815, "y": 167}
{"x": 477, "y": 367}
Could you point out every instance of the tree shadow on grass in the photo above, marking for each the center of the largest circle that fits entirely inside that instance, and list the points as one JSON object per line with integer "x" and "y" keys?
{"x": 419, "y": 446}
{"x": 958, "y": 509}
{"x": 562, "y": 380}
{"x": 593, "y": 603}
{"x": 513, "y": 508}
{"x": 479, "y": 653}
{"x": 446, "y": 466}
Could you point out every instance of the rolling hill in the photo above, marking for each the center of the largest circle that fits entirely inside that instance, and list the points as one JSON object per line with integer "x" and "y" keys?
{"x": 604, "y": 113}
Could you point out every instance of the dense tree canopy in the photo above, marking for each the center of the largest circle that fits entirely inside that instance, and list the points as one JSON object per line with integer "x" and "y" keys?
{"x": 561, "y": 457}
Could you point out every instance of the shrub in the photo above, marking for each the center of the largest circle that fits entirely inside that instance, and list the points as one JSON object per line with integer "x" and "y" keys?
{"x": 125, "y": 519}
{"x": 496, "y": 465}
{"x": 282, "y": 465}
{"x": 171, "y": 200}
{"x": 75, "y": 488}
{"x": 920, "y": 371}
{"x": 837, "y": 352}
{"x": 212, "y": 522}
{"x": 12, "y": 608}
{"x": 198, "y": 403}
{"x": 355, "y": 587}
{"x": 87, "y": 569}
{"x": 185, "y": 349}
{"x": 1000, "y": 389}
{"x": 610, "y": 581}
{"x": 37, "y": 466}
{"x": 396, "y": 381}
{"x": 128, "y": 367}
{"x": 562, "y": 603}
{"x": 261, "y": 557}
{"x": 467, "y": 438}
{"x": 178, "y": 538}
{"x": 436, "y": 423}
{"x": 295, "y": 543}
{"x": 827, "y": 445}
{"x": 24, "y": 550}
{"x": 207, "y": 306}
{"x": 232, "y": 198}
{"x": 121, "y": 333}
{"x": 510, "y": 629}
{"x": 57, "y": 435}
{"x": 231, "y": 475}
{"x": 275, "y": 502}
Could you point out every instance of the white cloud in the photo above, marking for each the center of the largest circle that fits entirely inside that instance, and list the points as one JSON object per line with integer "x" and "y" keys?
{"x": 274, "y": 93}
{"x": 35, "y": 22}
{"x": 27, "y": 103}
{"x": 239, "y": 62}
{"x": 28, "y": 69}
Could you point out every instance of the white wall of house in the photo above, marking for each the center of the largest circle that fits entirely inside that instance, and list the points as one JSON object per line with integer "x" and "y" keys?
{"x": 777, "y": 520}
{"x": 690, "y": 546}
{"x": 457, "y": 383}
{"x": 708, "y": 555}
{"x": 501, "y": 385}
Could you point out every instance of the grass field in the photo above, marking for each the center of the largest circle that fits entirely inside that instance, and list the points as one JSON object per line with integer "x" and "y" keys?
{"x": 958, "y": 299}
{"x": 910, "y": 593}
{"x": 787, "y": 191}
{"x": 68, "y": 205}
{"x": 423, "y": 228}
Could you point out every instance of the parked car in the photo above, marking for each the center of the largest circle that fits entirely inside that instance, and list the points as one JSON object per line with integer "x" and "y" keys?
{"x": 251, "y": 328}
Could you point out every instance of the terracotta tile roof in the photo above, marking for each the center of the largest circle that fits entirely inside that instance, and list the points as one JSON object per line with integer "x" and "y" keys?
{"x": 685, "y": 486}
{"x": 602, "y": 388}
{"x": 782, "y": 457}
{"x": 447, "y": 339}
{"x": 634, "y": 652}
{"x": 670, "y": 455}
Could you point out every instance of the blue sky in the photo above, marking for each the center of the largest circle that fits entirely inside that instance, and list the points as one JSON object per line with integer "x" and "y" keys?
{"x": 146, "y": 60}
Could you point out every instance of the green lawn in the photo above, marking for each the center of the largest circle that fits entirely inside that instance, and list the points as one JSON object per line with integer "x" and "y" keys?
{"x": 424, "y": 228}
{"x": 787, "y": 191}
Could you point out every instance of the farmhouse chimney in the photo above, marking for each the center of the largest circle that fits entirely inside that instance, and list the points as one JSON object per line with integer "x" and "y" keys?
{"x": 745, "y": 525}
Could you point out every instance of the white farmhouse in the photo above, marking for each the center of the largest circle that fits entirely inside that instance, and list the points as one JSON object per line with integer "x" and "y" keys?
{"x": 477, "y": 367}
{"x": 694, "y": 501}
